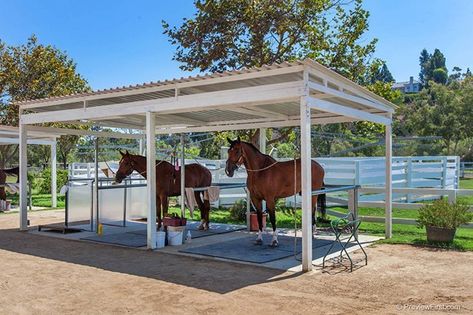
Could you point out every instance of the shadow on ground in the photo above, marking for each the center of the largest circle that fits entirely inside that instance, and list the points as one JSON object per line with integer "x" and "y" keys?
{"x": 214, "y": 276}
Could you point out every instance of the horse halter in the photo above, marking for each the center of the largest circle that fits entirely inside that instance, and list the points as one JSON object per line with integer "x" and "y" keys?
{"x": 240, "y": 161}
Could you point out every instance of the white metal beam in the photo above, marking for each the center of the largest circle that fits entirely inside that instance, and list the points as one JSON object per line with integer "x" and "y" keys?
{"x": 29, "y": 141}
{"x": 356, "y": 114}
{"x": 252, "y": 96}
{"x": 328, "y": 75}
{"x": 81, "y": 132}
{"x": 265, "y": 124}
{"x": 348, "y": 97}
{"x": 151, "y": 178}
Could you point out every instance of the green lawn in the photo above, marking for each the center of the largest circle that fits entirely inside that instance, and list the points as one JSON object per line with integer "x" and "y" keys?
{"x": 43, "y": 200}
{"x": 402, "y": 234}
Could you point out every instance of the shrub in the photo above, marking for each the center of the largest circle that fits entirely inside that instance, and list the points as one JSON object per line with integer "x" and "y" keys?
{"x": 45, "y": 184}
{"x": 238, "y": 210}
{"x": 442, "y": 214}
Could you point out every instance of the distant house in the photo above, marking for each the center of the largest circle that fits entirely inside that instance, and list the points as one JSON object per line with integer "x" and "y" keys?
{"x": 411, "y": 86}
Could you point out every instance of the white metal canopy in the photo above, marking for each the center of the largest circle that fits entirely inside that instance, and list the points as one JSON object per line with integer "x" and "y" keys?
{"x": 298, "y": 93}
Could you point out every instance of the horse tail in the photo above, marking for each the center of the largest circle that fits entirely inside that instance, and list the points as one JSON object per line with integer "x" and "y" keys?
{"x": 322, "y": 200}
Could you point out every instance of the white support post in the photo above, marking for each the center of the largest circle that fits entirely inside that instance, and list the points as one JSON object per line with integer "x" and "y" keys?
{"x": 262, "y": 148}
{"x": 53, "y": 175}
{"x": 23, "y": 178}
{"x": 306, "y": 178}
{"x": 141, "y": 146}
{"x": 151, "y": 178}
{"x": 444, "y": 172}
{"x": 262, "y": 140}
{"x": 96, "y": 185}
{"x": 457, "y": 172}
{"x": 183, "y": 176}
{"x": 409, "y": 178}
{"x": 388, "y": 187}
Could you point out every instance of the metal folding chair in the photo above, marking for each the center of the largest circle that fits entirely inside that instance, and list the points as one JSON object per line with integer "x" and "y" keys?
{"x": 343, "y": 226}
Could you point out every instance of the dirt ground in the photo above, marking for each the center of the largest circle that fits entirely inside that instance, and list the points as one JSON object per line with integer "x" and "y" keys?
{"x": 42, "y": 275}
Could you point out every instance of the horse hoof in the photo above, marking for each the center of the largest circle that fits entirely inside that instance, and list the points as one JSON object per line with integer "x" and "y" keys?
{"x": 274, "y": 243}
{"x": 259, "y": 241}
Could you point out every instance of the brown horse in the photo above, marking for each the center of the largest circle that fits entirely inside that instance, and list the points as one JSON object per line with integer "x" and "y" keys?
{"x": 168, "y": 183}
{"x": 269, "y": 180}
{"x": 3, "y": 179}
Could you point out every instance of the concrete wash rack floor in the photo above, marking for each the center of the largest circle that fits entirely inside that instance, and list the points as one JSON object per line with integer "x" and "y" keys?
{"x": 237, "y": 238}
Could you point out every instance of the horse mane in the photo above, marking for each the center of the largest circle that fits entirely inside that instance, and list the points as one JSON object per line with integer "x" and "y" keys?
{"x": 255, "y": 149}
{"x": 144, "y": 158}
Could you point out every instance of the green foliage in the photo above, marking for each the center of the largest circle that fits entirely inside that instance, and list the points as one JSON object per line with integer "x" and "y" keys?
{"x": 379, "y": 72}
{"x": 33, "y": 71}
{"x": 423, "y": 62}
{"x": 432, "y": 67}
{"x": 231, "y": 34}
{"x": 238, "y": 210}
{"x": 439, "y": 75}
{"x": 439, "y": 110}
{"x": 286, "y": 150}
{"x": 45, "y": 184}
{"x": 444, "y": 215}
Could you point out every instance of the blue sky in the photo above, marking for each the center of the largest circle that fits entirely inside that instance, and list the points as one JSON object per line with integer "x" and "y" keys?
{"x": 119, "y": 42}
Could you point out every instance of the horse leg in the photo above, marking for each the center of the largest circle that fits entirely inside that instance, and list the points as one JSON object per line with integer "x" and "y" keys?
{"x": 314, "y": 208}
{"x": 164, "y": 204}
{"x": 207, "y": 212}
{"x": 258, "y": 203}
{"x": 323, "y": 206}
{"x": 271, "y": 206}
{"x": 204, "y": 224}
{"x": 158, "y": 211}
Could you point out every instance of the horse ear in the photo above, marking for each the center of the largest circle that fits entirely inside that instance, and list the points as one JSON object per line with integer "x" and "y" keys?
{"x": 229, "y": 140}
{"x": 121, "y": 153}
{"x": 127, "y": 153}
{"x": 238, "y": 139}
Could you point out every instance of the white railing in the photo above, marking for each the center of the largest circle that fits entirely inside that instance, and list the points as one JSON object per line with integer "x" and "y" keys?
{"x": 408, "y": 172}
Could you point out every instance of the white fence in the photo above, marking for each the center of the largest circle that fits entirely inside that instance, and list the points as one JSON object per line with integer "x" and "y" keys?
{"x": 438, "y": 172}
{"x": 407, "y": 172}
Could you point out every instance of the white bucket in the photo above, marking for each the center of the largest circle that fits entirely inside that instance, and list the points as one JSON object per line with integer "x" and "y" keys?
{"x": 160, "y": 239}
{"x": 175, "y": 235}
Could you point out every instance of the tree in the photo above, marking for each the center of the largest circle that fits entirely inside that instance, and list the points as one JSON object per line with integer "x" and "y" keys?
{"x": 437, "y": 61}
{"x": 439, "y": 75}
{"x": 456, "y": 74}
{"x": 468, "y": 73}
{"x": 432, "y": 67}
{"x": 438, "y": 111}
{"x": 424, "y": 60}
{"x": 32, "y": 71}
{"x": 378, "y": 71}
{"x": 232, "y": 34}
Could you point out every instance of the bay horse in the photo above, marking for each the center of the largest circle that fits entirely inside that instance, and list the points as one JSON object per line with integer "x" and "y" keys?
{"x": 269, "y": 180}
{"x": 3, "y": 179}
{"x": 168, "y": 183}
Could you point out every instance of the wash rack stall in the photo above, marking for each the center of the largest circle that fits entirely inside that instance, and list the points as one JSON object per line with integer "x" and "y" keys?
{"x": 299, "y": 93}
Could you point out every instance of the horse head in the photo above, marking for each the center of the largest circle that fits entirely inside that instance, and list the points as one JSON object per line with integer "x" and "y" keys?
{"x": 235, "y": 156}
{"x": 125, "y": 167}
